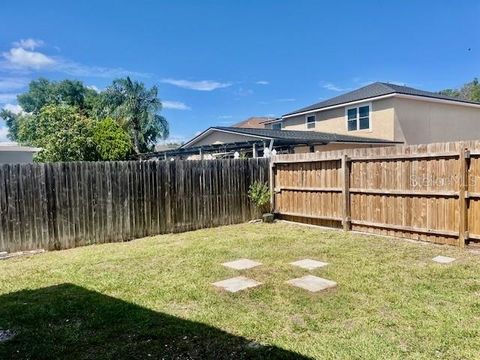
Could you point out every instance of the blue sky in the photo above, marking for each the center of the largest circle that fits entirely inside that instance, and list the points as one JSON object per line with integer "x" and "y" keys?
{"x": 219, "y": 62}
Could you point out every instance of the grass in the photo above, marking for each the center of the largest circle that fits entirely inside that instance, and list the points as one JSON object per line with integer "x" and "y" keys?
{"x": 152, "y": 298}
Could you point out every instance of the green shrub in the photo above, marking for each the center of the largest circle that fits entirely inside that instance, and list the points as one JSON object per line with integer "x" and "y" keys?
{"x": 112, "y": 142}
{"x": 260, "y": 194}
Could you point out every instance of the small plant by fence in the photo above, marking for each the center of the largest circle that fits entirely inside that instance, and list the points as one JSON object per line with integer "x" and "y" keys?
{"x": 424, "y": 192}
{"x": 64, "y": 205}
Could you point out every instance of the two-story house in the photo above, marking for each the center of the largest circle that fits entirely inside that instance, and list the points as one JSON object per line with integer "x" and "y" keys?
{"x": 379, "y": 114}
{"x": 389, "y": 112}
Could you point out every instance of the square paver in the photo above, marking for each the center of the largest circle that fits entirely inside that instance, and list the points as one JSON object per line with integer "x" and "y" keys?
{"x": 309, "y": 264}
{"x": 236, "y": 284}
{"x": 241, "y": 264}
{"x": 443, "y": 259}
{"x": 312, "y": 283}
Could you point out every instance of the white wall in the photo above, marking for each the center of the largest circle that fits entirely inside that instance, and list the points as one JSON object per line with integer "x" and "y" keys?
{"x": 15, "y": 157}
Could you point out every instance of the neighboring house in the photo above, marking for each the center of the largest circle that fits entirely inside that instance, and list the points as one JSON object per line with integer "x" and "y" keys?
{"x": 379, "y": 114}
{"x": 390, "y": 112}
{"x": 255, "y": 122}
{"x": 11, "y": 153}
{"x": 221, "y": 142}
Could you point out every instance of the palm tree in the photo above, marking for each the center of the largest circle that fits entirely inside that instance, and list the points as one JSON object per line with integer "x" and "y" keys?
{"x": 136, "y": 108}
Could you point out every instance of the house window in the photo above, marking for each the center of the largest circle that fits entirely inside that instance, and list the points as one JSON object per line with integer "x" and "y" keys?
{"x": 358, "y": 118}
{"x": 310, "y": 121}
{"x": 277, "y": 126}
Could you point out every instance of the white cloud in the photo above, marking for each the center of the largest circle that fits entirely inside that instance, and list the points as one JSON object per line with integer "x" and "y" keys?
{"x": 225, "y": 117}
{"x": 174, "y": 138}
{"x": 202, "y": 85}
{"x": 244, "y": 92}
{"x": 3, "y": 134}
{"x": 333, "y": 87}
{"x": 262, "y": 82}
{"x": 7, "y": 84}
{"x": 22, "y": 57}
{"x": 30, "y": 44}
{"x": 94, "y": 88}
{"x": 16, "y": 109}
{"x": 7, "y": 97}
{"x": 76, "y": 69}
{"x": 19, "y": 58}
{"x": 175, "y": 105}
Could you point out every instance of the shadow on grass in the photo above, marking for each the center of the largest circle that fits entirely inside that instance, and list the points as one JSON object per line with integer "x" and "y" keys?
{"x": 70, "y": 322}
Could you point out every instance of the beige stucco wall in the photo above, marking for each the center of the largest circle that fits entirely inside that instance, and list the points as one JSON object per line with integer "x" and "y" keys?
{"x": 218, "y": 137}
{"x": 334, "y": 121}
{"x": 422, "y": 122}
{"x": 16, "y": 157}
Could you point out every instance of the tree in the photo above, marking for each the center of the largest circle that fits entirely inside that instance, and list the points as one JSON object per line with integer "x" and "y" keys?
{"x": 469, "y": 91}
{"x": 11, "y": 120}
{"x": 136, "y": 108}
{"x": 43, "y": 92}
{"x": 62, "y": 133}
{"x": 450, "y": 92}
{"x": 72, "y": 122}
{"x": 112, "y": 142}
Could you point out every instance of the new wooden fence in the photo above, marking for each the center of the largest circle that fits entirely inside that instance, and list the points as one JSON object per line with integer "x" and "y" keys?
{"x": 64, "y": 205}
{"x": 424, "y": 192}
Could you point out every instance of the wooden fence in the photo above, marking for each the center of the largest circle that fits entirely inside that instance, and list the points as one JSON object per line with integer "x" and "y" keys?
{"x": 424, "y": 192}
{"x": 64, "y": 205}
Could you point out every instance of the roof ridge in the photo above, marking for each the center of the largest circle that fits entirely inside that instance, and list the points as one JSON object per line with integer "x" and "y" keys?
{"x": 387, "y": 85}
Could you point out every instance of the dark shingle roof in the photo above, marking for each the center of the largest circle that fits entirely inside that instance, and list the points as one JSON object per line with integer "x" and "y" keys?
{"x": 301, "y": 136}
{"x": 374, "y": 90}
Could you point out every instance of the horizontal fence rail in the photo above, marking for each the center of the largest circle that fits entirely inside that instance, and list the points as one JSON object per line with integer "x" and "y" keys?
{"x": 65, "y": 205}
{"x": 423, "y": 192}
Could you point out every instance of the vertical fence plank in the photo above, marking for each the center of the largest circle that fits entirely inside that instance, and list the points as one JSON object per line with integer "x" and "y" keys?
{"x": 346, "y": 214}
{"x": 464, "y": 160}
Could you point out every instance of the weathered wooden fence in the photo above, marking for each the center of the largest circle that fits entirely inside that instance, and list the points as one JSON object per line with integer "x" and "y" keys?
{"x": 424, "y": 192}
{"x": 64, "y": 205}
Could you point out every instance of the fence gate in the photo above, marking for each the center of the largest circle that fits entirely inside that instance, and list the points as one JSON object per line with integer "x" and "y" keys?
{"x": 423, "y": 193}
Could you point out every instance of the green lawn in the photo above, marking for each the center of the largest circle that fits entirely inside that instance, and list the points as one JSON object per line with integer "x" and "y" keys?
{"x": 152, "y": 298}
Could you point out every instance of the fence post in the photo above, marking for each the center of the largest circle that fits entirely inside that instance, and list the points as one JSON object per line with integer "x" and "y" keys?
{"x": 272, "y": 184}
{"x": 346, "y": 215}
{"x": 463, "y": 196}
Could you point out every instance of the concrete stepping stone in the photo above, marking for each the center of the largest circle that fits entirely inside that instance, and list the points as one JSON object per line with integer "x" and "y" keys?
{"x": 241, "y": 264}
{"x": 236, "y": 284}
{"x": 312, "y": 283}
{"x": 309, "y": 264}
{"x": 443, "y": 259}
